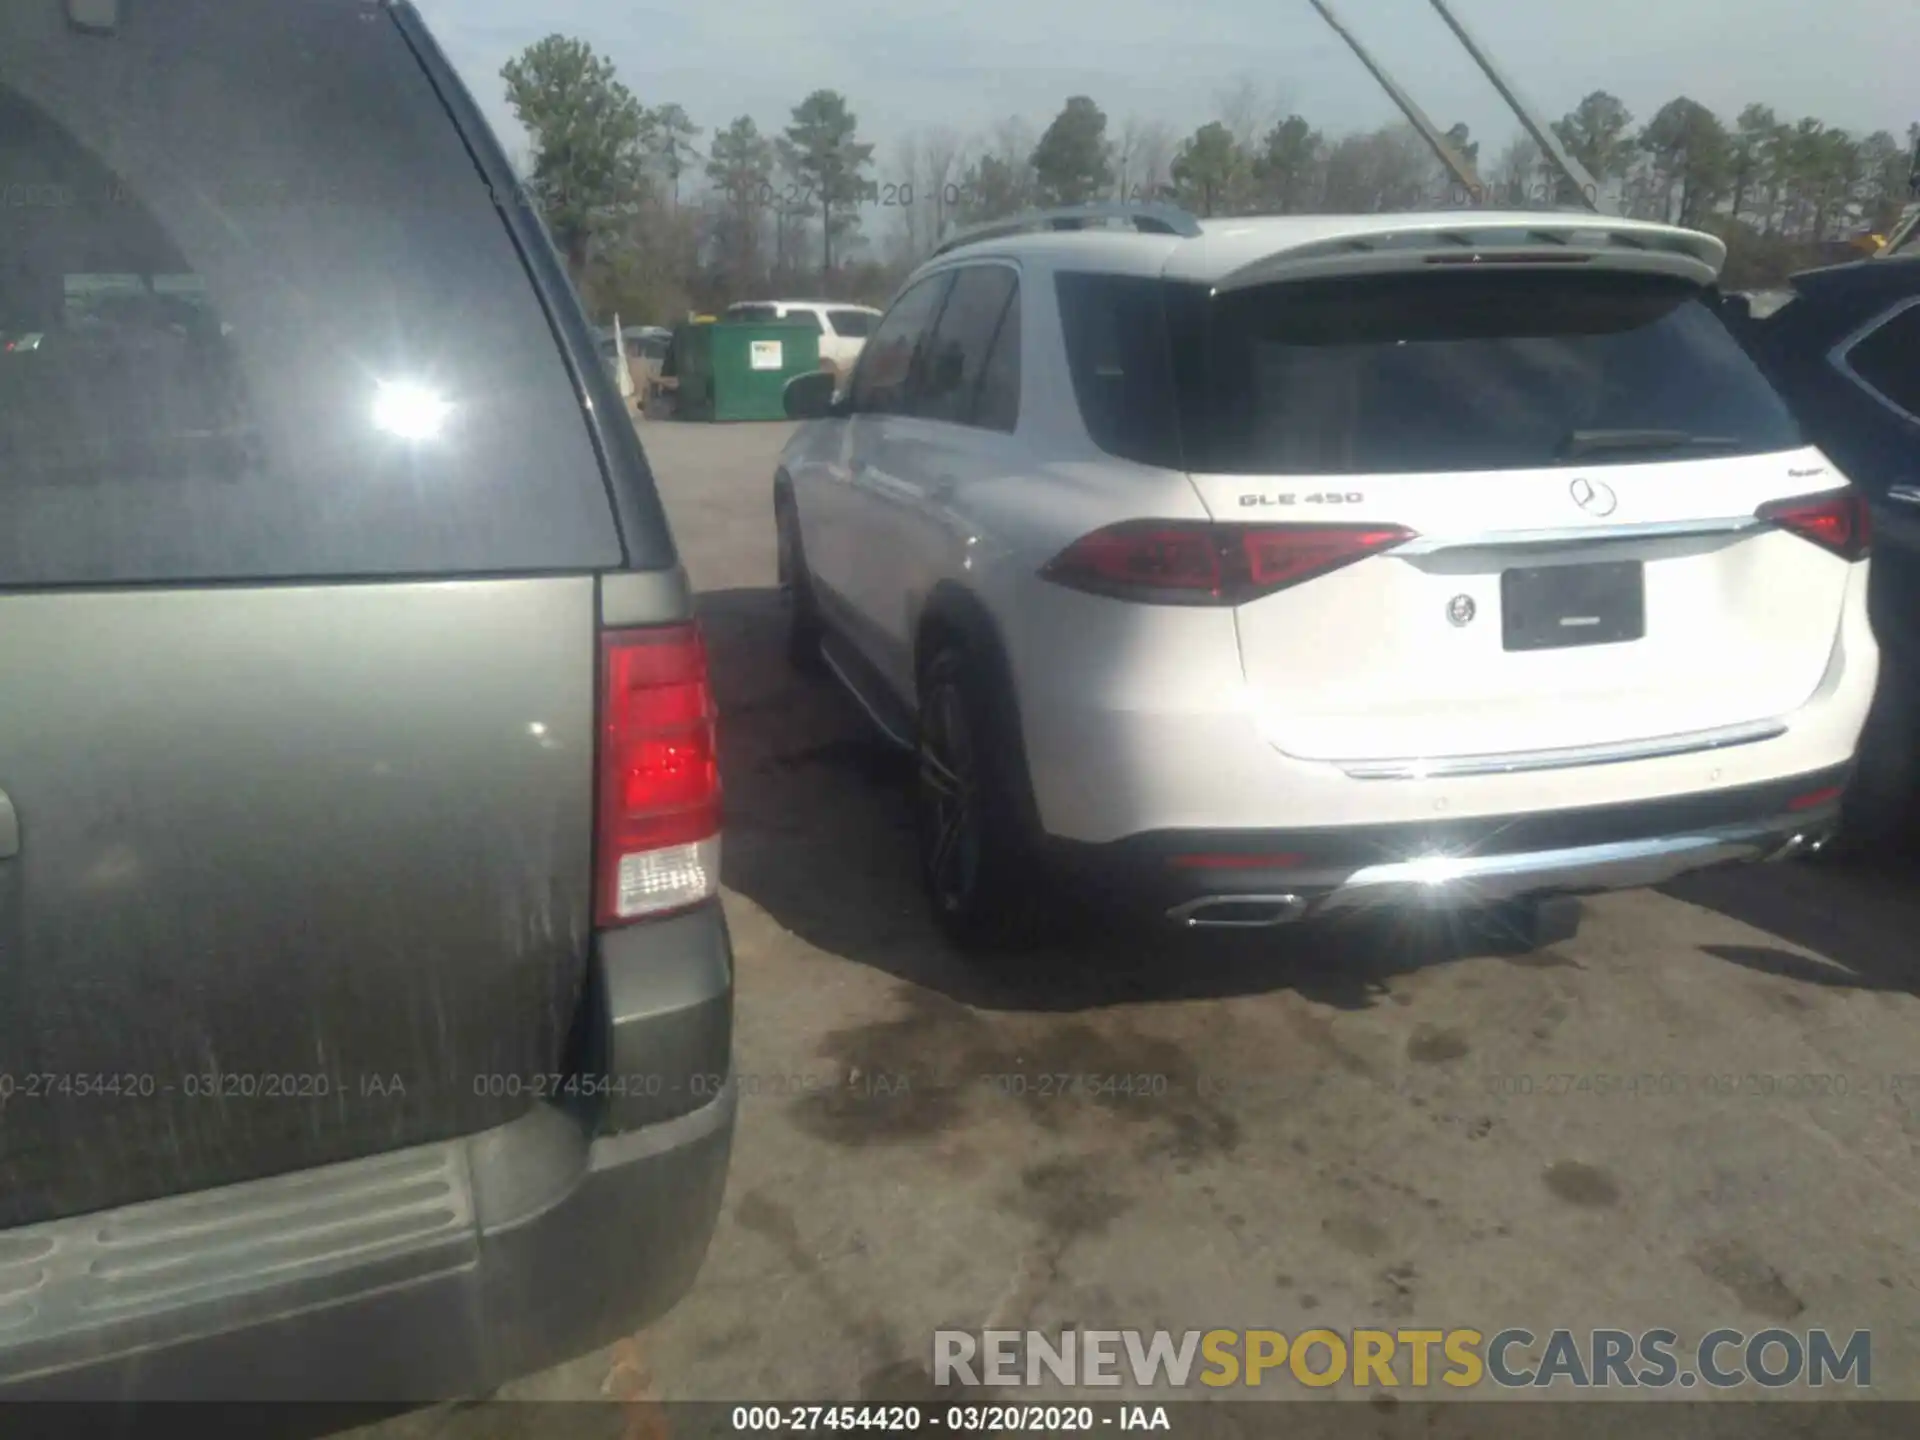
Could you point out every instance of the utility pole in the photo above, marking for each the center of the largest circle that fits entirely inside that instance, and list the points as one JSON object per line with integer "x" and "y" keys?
{"x": 1457, "y": 164}
{"x": 1557, "y": 154}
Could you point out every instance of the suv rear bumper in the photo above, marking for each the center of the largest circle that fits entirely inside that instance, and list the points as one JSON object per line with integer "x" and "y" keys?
{"x": 1268, "y": 877}
{"x": 1119, "y": 745}
{"x": 432, "y": 1273}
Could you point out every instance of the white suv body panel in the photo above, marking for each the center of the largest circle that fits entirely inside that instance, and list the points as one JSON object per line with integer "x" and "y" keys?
{"x": 1349, "y": 700}
{"x": 1364, "y": 663}
{"x": 1121, "y": 742}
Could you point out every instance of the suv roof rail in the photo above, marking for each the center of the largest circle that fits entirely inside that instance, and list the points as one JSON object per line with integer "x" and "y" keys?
{"x": 1148, "y": 217}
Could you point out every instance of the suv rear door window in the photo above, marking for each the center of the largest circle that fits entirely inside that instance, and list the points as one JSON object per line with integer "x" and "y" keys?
{"x": 1115, "y": 329}
{"x": 885, "y": 381}
{"x": 1490, "y": 371}
{"x": 958, "y": 349}
{"x": 998, "y": 406}
{"x": 286, "y": 333}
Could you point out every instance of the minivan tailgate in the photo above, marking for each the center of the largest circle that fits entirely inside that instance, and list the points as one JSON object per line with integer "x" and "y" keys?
{"x": 303, "y": 874}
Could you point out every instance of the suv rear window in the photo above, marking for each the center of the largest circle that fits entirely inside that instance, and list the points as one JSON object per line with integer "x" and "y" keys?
{"x": 1448, "y": 372}
{"x": 286, "y": 333}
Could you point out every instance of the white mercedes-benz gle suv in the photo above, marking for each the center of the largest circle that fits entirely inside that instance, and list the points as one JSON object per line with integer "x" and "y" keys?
{"x": 1255, "y": 569}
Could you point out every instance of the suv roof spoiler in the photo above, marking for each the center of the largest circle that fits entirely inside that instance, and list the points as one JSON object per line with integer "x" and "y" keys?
{"x": 1152, "y": 218}
{"x": 1595, "y": 241}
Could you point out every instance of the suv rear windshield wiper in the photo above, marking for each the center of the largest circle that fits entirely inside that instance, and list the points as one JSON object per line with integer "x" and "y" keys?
{"x": 1598, "y": 442}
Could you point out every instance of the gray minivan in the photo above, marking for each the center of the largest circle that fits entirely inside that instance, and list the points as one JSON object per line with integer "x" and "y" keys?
{"x": 365, "y": 997}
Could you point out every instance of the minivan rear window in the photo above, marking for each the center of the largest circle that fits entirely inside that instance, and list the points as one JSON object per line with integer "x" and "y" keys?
{"x": 1397, "y": 374}
{"x": 284, "y": 331}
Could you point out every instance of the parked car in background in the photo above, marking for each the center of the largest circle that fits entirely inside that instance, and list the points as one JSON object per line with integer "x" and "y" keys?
{"x": 1843, "y": 345}
{"x": 647, "y": 357}
{"x": 646, "y": 347}
{"x": 1254, "y": 570}
{"x": 843, "y": 328}
{"x": 365, "y": 998}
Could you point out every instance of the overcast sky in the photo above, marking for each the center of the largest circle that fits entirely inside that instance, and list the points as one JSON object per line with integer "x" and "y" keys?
{"x": 1853, "y": 63}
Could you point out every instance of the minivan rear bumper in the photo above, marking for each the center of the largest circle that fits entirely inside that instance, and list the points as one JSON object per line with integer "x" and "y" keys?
{"x": 431, "y": 1273}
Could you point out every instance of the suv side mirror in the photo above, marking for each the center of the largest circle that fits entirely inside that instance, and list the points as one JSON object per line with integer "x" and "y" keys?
{"x": 810, "y": 396}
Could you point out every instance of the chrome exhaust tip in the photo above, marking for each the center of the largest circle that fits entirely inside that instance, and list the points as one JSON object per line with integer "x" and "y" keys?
{"x": 1802, "y": 844}
{"x": 1238, "y": 912}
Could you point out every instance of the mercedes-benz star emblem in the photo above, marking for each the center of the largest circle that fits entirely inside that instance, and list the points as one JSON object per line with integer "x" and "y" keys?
{"x": 1594, "y": 496}
{"x": 1461, "y": 609}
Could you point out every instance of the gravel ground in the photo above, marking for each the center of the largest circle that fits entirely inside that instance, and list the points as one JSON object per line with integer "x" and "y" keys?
{"x": 1374, "y": 1128}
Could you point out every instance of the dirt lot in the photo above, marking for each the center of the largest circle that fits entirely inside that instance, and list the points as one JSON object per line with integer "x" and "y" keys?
{"x": 1347, "y": 1130}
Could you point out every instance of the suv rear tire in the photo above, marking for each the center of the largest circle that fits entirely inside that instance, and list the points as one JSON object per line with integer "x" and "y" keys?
{"x": 804, "y": 630}
{"x": 979, "y": 855}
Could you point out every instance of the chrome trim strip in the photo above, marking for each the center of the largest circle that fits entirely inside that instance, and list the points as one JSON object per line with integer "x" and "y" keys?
{"x": 1577, "y": 534}
{"x": 1466, "y": 881}
{"x": 1192, "y": 912}
{"x": 1623, "y": 865}
{"x": 1522, "y": 761}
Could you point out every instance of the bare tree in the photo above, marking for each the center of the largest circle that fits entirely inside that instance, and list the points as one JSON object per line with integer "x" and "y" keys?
{"x": 1515, "y": 176}
{"x": 1772, "y": 186}
{"x": 1405, "y": 169}
{"x": 1126, "y": 149}
{"x": 1154, "y": 163}
{"x": 1013, "y": 141}
{"x": 943, "y": 161}
{"x": 900, "y": 193}
{"x": 1244, "y": 110}
{"x": 1379, "y": 171}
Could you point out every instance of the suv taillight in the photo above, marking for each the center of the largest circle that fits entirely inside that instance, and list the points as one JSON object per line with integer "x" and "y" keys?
{"x": 1173, "y": 562}
{"x": 1837, "y": 520}
{"x": 657, "y": 840}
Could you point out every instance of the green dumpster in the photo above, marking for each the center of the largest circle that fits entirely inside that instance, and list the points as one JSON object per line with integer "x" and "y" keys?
{"x": 738, "y": 370}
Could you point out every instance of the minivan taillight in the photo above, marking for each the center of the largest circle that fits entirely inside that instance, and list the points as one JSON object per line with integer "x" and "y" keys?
{"x": 657, "y": 839}
{"x": 1837, "y": 520}
{"x": 1176, "y": 562}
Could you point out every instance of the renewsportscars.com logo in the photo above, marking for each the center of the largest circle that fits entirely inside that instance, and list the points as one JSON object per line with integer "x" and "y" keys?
{"x": 1514, "y": 1358}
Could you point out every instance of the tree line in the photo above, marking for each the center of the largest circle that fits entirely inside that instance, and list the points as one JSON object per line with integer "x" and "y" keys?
{"x": 655, "y": 217}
